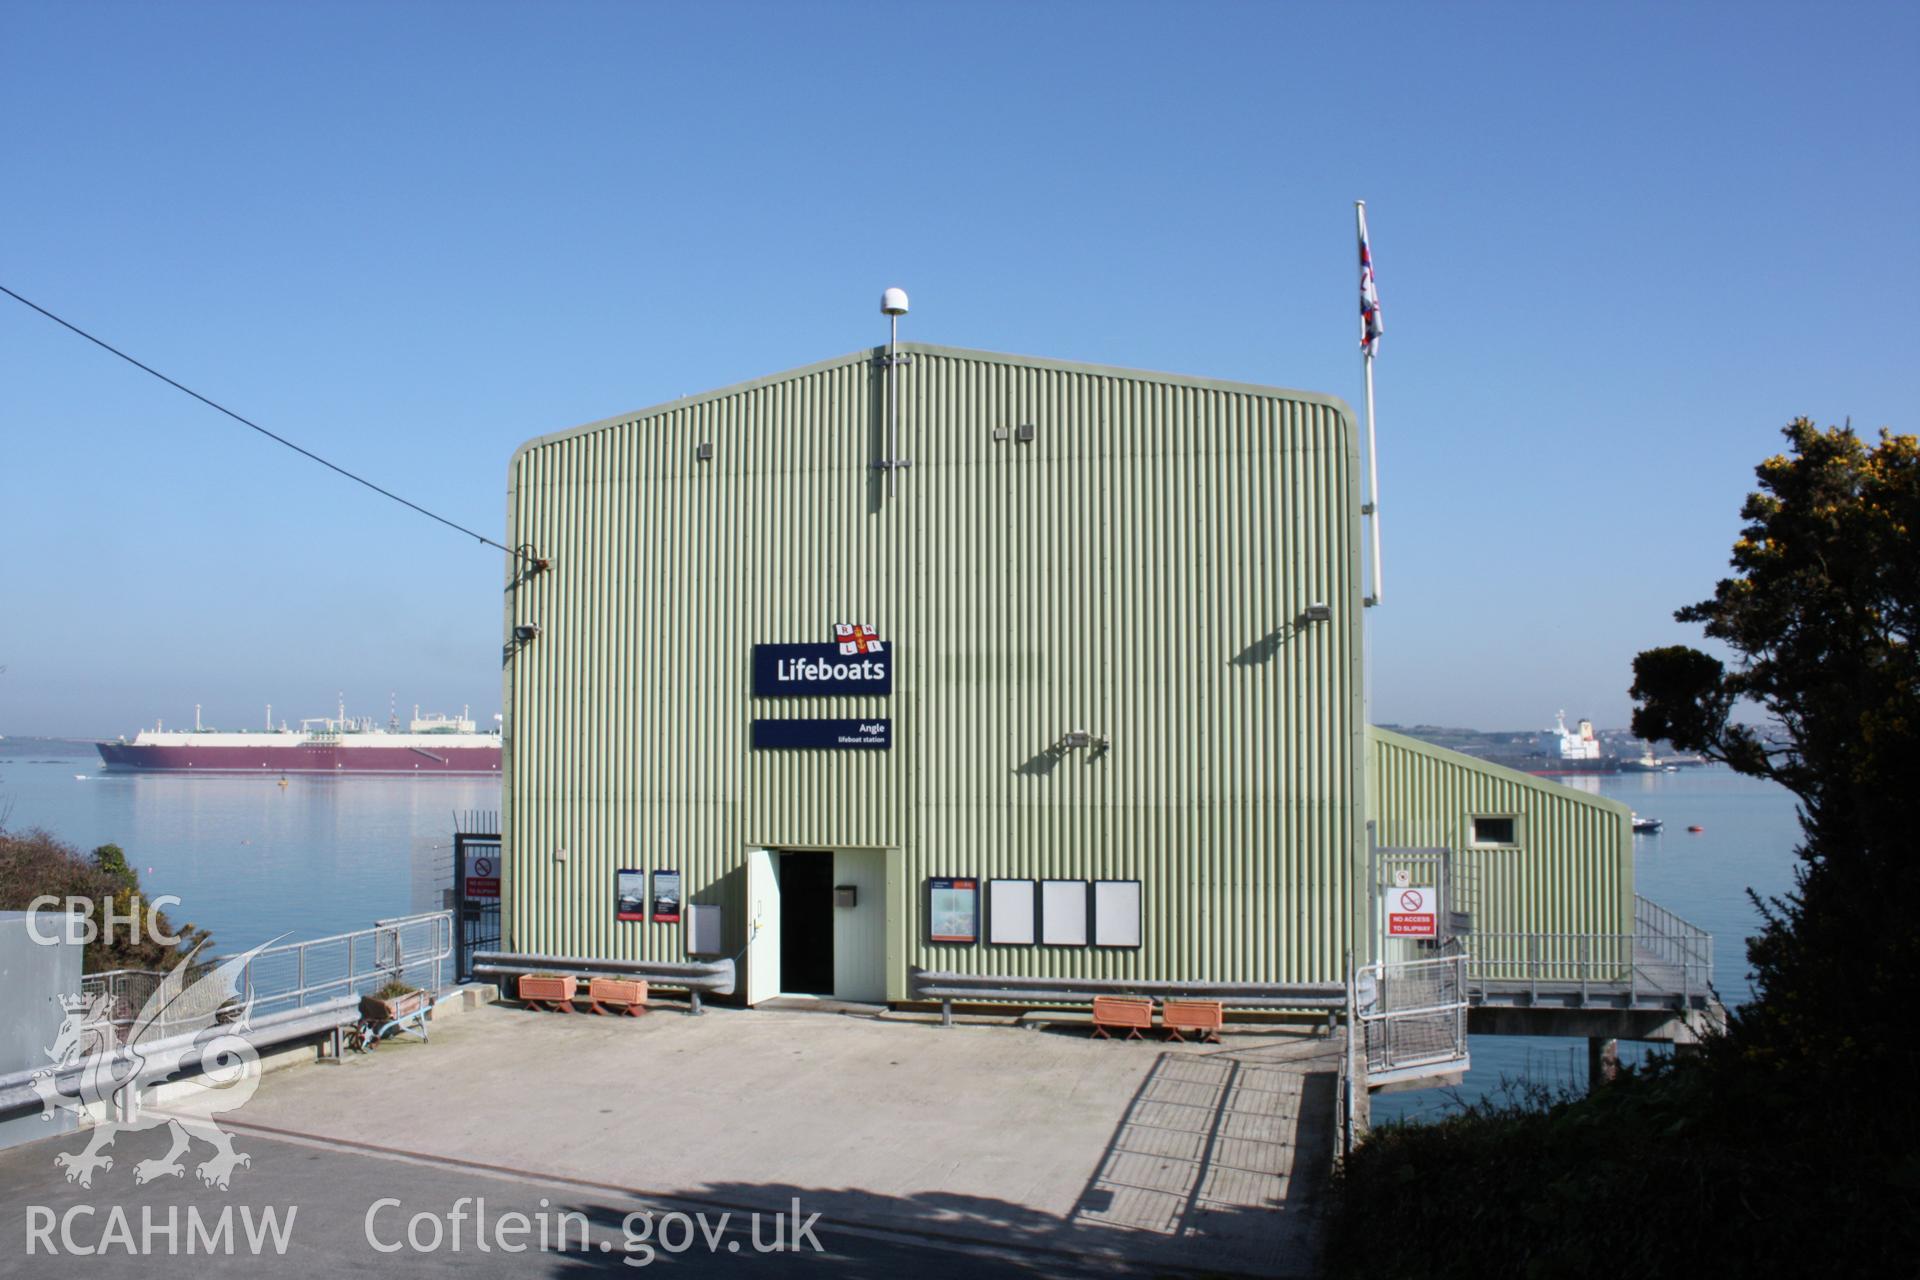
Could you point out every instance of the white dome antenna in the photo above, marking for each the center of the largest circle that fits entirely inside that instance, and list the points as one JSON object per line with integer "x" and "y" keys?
{"x": 893, "y": 302}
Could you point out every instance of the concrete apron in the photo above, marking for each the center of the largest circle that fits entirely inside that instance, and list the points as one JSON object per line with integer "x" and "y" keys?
{"x": 1202, "y": 1157}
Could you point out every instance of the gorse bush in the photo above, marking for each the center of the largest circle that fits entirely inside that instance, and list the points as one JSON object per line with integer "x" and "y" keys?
{"x": 34, "y": 864}
{"x": 1790, "y": 1143}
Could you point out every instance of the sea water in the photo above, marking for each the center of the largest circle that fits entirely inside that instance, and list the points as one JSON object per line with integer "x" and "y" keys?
{"x": 250, "y": 859}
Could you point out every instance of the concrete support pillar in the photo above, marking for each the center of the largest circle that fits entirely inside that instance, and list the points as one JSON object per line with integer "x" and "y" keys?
{"x": 1603, "y": 1061}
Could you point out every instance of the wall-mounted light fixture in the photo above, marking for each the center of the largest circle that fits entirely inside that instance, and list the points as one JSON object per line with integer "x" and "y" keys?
{"x": 703, "y": 452}
{"x": 1316, "y": 612}
{"x": 526, "y": 631}
{"x": 1081, "y": 740}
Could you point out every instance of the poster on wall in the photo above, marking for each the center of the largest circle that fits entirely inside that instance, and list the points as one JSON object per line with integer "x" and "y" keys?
{"x": 666, "y": 897}
{"x": 1116, "y": 913}
{"x": 953, "y": 909}
{"x": 1063, "y": 913}
{"x": 629, "y": 894}
{"x": 1010, "y": 912}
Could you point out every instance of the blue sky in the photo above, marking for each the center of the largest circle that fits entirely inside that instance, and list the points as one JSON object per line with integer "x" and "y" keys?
{"x": 1618, "y": 247}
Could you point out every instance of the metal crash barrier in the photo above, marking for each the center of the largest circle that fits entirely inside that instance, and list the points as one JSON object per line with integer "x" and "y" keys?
{"x": 154, "y": 1060}
{"x": 294, "y": 992}
{"x": 971, "y": 988}
{"x": 706, "y": 977}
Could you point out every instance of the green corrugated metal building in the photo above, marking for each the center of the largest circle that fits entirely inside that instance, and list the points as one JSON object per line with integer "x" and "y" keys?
{"x": 1108, "y": 683}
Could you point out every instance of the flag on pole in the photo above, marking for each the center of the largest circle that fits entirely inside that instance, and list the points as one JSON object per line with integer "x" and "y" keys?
{"x": 1370, "y": 327}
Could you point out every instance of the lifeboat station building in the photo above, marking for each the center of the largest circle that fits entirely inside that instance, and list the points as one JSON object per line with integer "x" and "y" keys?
{"x": 988, "y": 665}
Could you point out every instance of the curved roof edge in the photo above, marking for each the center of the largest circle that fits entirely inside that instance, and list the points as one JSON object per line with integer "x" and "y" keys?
{"x": 1500, "y": 771}
{"x": 863, "y": 354}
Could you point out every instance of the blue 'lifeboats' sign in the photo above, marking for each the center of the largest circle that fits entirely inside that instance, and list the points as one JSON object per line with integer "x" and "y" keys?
{"x": 830, "y": 735}
{"x": 794, "y": 670}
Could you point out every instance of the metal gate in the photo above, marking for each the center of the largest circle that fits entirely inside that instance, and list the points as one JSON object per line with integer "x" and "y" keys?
{"x": 1389, "y": 870}
{"x": 1409, "y": 1005}
{"x": 476, "y": 893}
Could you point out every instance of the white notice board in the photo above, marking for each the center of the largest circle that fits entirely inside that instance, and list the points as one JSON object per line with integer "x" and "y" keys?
{"x": 1063, "y": 913}
{"x": 1116, "y": 913}
{"x": 1010, "y": 912}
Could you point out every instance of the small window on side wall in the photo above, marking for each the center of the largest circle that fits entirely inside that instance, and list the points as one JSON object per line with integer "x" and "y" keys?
{"x": 1500, "y": 829}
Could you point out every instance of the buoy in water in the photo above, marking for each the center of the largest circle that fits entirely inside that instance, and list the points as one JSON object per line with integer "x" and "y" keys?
{"x": 1696, "y": 830}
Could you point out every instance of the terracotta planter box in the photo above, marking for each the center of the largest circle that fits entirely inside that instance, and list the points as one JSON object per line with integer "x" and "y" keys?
{"x": 549, "y": 990}
{"x": 1133, "y": 1014}
{"x": 380, "y": 1012}
{"x": 1202, "y": 1017}
{"x": 628, "y": 992}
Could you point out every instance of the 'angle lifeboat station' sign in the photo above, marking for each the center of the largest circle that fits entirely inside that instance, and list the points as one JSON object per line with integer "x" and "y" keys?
{"x": 856, "y": 662}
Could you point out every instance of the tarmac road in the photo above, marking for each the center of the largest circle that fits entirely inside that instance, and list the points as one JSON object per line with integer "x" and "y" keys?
{"x": 321, "y": 1197}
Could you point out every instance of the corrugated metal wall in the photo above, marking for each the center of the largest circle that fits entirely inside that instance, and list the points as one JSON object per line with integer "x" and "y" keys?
{"x": 1570, "y": 870}
{"x": 1134, "y": 571}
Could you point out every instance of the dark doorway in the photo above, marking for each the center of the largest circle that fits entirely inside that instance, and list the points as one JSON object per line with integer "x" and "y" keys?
{"x": 806, "y": 923}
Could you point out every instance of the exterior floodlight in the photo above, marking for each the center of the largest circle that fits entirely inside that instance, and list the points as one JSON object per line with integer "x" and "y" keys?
{"x": 1075, "y": 740}
{"x": 1317, "y": 612}
{"x": 893, "y": 302}
{"x": 526, "y": 631}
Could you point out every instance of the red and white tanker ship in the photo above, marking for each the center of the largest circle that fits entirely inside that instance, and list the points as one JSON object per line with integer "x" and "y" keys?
{"x": 430, "y": 744}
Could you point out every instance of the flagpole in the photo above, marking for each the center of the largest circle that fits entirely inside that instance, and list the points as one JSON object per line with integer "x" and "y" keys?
{"x": 1373, "y": 486}
{"x": 1372, "y": 508}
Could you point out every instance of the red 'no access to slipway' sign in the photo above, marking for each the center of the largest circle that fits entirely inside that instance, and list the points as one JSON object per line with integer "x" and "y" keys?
{"x": 1411, "y": 912}
{"x": 483, "y": 875}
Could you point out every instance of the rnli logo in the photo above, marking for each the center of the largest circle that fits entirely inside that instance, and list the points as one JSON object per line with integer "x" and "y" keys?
{"x": 856, "y": 637}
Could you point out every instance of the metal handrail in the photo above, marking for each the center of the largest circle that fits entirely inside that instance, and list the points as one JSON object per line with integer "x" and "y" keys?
{"x": 1609, "y": 961}
{"x": 300, "y": 974}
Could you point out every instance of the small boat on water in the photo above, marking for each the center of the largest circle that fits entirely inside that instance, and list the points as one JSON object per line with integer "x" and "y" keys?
{"x": 1646, "y": 826}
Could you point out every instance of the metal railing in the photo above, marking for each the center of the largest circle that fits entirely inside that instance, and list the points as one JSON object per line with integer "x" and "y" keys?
{"x": 1665, "y": 960}
{"x": 974, "y": 988}
{"x": 713, "y": 977}
{"x": 1673, "y": 940}
{"x": 1412, "y": 1017}
{"x": 415, "y": 949}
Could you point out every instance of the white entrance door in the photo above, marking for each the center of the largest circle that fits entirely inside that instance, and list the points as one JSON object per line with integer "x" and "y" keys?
{"x": 860, "y": 931}
{"x": 763, "y": 925}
